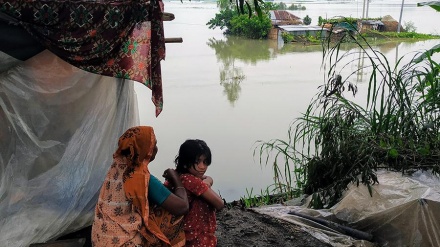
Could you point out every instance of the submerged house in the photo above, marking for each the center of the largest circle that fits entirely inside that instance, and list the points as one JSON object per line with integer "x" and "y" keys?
{"x": 303, "y": 30}
{"x": 280, "y": 18}
{"x": 284, "y": 21}
{"x": 365, "y": 25}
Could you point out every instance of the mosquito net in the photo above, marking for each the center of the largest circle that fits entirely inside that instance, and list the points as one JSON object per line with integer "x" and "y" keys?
{"x": 59, "y": 129}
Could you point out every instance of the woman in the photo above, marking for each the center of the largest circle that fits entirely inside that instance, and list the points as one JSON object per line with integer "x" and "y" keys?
{"x": 134, "y": 208}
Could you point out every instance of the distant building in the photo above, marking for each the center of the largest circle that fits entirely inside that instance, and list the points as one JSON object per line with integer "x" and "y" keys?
{"x": 284, "y": 17}
{"x": 365, "y": 25}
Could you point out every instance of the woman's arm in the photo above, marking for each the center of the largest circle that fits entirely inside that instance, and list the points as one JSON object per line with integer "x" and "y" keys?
{"x": 177, "y": 202}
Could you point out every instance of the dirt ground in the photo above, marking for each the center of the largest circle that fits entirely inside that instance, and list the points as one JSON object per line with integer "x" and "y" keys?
{"x": 244, "y": 228}
{"x": 238, "y": 227}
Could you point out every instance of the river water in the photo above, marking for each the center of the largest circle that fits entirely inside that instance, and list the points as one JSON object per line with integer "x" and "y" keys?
{"x": 232, "y": 92}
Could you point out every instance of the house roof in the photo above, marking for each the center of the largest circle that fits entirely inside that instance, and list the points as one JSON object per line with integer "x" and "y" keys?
{"x": 283, "y": 17}
{"x": 372, "y": 22}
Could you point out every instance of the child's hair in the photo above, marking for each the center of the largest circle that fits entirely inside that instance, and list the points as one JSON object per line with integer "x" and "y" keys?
{"x": 189, "y": 152}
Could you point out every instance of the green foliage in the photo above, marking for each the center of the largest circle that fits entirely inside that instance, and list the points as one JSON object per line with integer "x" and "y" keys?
{"x": 350, "y": 20}
{"x": 305, "y": 39}
{"x": 267, "y": 196}
{"x": 222, "y": 19}
{"x": 282, "y": 6}
{"x": 433, "y": 4}
{"x": 274, "y": 6}
{"x": 307, "y": 20}
{"x": 320, "y": 21}
{"x": 287, "y": 37}
{"x": 251, "y": 200}
{"x": 244, "y": 7}
{"x": 409, "y": 27}
{"x": 253, "y": 27}
{"x": 296, "y": 7}
{"x": 401, "y": 35}
{"x": 337, "y": 142}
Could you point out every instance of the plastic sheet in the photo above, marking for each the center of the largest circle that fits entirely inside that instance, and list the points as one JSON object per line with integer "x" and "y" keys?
{"x": 403, "y": 211}
{"x": 59, "y": 127}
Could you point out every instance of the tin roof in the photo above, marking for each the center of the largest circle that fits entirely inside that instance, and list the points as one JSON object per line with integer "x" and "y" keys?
{"x": 282, "y": 15}
{"x": 298, "y": 28}
{"x": 372, "y": 22}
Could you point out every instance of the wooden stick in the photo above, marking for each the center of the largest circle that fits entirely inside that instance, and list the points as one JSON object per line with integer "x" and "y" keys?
{"x": 173, "y": 40}
{"x": 167, "y": 16}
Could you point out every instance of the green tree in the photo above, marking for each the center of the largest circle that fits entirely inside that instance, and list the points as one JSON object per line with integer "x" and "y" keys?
{"x": 223, "y": 19}
{"x": 253, "y": 27}
{"x": 249, "y": 26}
{"x": 296, "y": 7}
{"x": 307, "y": 20}
{"x": 282, "y": 6}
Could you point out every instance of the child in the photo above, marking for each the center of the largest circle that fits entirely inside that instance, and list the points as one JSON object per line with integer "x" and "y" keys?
{"x": 200, "y": 223}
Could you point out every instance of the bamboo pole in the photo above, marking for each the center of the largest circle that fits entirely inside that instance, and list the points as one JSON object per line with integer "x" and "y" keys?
{"x": 174, "y": 40}
{"x": 337, "y": 227}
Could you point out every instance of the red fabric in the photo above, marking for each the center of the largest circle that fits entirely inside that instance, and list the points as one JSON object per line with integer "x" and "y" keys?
{"x": 118, "y": 38}
{"x": 200, "y": 222}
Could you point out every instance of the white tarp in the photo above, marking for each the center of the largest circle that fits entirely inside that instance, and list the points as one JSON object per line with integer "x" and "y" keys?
{"x": 59, "y": 127}
{"x": 403, "y": 211}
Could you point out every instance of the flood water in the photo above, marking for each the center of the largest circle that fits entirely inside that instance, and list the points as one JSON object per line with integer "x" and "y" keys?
{"x": 232, "y": 92}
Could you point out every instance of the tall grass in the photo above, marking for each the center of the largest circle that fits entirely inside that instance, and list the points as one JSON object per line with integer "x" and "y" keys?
{"x": 337, "y": 142}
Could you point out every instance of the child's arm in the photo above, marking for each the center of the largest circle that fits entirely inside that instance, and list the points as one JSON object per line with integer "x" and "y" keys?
{"x": 214, "y": 199}
{"x": 210, "y": 196}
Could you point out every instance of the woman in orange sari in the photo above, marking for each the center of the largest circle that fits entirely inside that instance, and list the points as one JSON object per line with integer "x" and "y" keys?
{"x": 134, "y": 208}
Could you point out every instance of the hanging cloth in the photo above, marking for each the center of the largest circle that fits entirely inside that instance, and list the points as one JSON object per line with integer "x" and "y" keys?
{"x": 117, "y": 38}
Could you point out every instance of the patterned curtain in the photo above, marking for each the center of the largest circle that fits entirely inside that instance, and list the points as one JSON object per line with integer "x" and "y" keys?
{"x": 116, "y": 38}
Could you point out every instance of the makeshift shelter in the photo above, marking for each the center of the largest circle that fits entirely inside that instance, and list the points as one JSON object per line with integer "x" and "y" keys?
{"x": 60, "y": 123}
{"x": 402, "y": 211}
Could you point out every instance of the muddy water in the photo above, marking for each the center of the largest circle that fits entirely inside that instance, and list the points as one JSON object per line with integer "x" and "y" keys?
{"x": 232, "y": 92}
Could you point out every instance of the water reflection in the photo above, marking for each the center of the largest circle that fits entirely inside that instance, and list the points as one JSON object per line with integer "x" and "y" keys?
{"x": 245, "y": 50}
{"x": 230, "y": 79}
{"x": 232, "y": 52}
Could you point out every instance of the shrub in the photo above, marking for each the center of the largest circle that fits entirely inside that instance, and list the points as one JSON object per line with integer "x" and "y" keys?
{"x": 307, "y": 20}
{"x": 410, "y": 27}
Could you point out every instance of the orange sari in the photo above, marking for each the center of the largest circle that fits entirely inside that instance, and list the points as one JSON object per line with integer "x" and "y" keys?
{"x": 123, "y": 216}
